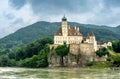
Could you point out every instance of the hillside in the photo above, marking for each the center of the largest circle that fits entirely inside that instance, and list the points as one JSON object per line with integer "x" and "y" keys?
{"x": 46, "y": 29}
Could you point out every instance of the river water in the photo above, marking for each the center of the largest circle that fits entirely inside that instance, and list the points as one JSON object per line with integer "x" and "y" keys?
{"x": 58, "y": 73}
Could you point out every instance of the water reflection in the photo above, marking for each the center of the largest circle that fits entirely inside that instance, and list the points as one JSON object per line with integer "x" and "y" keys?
{"x": 58, "y": 73}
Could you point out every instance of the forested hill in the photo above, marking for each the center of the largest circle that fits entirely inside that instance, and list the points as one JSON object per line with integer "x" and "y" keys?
{"x": 44, "y": 29}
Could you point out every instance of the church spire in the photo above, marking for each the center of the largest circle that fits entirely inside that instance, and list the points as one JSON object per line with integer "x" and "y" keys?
{"x": 64, "y": 18}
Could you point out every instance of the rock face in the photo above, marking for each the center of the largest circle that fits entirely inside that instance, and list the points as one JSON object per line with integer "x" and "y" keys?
{"x": 70, "y": 60}
{"x": 78, "y": 56}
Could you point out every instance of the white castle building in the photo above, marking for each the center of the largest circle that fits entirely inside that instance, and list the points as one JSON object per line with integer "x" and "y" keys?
{"x": 84, "y": 47}
{"x": 72, "y": 35}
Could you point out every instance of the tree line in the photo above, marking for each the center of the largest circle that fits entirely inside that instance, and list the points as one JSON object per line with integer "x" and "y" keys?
{"x": 35, "y": 54}
{"x": 27, "y": 55}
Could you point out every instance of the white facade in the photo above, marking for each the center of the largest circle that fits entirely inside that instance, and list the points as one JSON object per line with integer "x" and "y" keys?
{"x": 71, "y": 35}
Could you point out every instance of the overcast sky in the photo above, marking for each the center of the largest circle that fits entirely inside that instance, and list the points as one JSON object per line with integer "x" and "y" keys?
{"x": 15, "y": 14}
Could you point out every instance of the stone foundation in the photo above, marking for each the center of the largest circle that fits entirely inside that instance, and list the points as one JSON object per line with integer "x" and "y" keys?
{"x": 78, "y": 56}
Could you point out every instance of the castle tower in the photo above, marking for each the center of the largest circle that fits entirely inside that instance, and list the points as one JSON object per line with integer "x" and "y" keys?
{"x": 67, "y": 34}
{"x": 93, "y": 40}
{"x": 64, "y": 26}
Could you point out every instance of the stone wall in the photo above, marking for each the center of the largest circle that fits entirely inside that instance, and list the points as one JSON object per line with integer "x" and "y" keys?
{"x": 83, "y": 49}
{"x": 79, "y": 55}
{"x": 75, "y": 49}
{"x": 87, "y": 49}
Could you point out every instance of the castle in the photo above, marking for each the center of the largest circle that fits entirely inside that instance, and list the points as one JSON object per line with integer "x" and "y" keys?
{"x": 72, "y": 36}
{"x": 79, "y": 45}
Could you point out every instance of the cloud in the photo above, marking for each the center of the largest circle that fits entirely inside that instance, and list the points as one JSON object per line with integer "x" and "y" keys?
{"x": 112, "y": 3}
{"x": 16, "y": 14}
{"x": 17, "y": 3}
{"x": 89, "y": 11}
{"x": 57, "y": 6}
{"x": 9, "y": 15}
{"x": 13, "y": 19}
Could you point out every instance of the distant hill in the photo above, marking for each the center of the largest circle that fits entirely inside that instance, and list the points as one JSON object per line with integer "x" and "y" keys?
{"x": 44, "y": 29}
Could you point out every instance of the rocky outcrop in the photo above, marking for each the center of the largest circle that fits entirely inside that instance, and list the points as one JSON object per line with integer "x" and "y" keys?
{"x": 78, "y": 56}
{"x": 70, "y": 60}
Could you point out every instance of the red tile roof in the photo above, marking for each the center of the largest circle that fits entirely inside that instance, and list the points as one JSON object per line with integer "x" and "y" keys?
{"x": 72, "y": 31}
{"x": 59, "y": 32}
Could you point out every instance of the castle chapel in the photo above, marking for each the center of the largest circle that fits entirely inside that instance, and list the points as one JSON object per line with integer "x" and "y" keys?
{"x": 71, "y": 35}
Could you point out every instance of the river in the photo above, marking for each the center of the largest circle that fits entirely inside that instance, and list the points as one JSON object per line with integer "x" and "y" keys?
{"x": 58, "y": 73}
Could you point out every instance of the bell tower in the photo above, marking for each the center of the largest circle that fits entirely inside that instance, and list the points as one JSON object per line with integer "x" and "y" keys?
{"x": 64, "y": 26}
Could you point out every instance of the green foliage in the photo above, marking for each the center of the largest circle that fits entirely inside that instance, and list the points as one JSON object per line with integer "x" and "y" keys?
{"x": 12, "y": 62}
{"x": 116, "y": 46}
{"x": 32, "y": 55}
{"x": 42, "y": 29}
{"x": 114, "y": 58}
{"x": 100, "y": 64}
{"x": 39, "y": 60}
{"x": 32, "y": 49}
{"x": 102, "y": 52}
{"x": 11, "y": 55}
{"x": 62, "y": 50}
{"x": 90, "y": 63}
{"x": 4, "y": 61}
{"x": 113, "y": 53}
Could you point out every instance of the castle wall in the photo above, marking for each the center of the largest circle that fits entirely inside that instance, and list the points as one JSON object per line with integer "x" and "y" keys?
{"x": 75, "y": 39}
{"x": 58, "y": 40}
{"x": 67, "y": 39}
{"x": 87, "y": 49}
{"x": 83, "y": 49}
{"x": 75, "y": 49}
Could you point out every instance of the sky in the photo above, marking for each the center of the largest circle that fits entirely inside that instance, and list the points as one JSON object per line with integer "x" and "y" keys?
{"x": 15, "y": 14}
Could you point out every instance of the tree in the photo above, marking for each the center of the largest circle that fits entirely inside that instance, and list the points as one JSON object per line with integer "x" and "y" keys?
{"x": 102, "y": 52}
{"x": 34, "y": 54}
{"x": 39, "y": 60}
{"x": 4, "y": 61}
{"x": 114, "y": 58}
{"x": 116, "y": 46}
{"x": 32, "y": 49}
{"x": 62, "y": 50}
{"x": 11, "y": 55}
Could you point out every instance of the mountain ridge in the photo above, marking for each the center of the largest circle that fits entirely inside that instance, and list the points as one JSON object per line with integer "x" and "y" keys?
{"x": 43, "y": 29}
